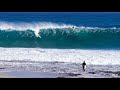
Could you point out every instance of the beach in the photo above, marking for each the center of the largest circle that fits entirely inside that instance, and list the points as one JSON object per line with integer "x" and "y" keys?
{"x": 58, "y": 70}
{"x": 23, "y": 74}
{"x": 5, "y": 75}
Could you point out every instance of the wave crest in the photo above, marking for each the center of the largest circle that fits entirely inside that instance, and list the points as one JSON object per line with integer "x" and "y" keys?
{"x": 36, "y": 27}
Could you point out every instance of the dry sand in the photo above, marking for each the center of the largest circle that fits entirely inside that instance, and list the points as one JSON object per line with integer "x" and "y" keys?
{"x": 5, "y": 75}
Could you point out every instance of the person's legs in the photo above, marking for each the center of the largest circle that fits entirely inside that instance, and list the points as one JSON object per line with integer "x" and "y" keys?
{"x": 83, "y": 67}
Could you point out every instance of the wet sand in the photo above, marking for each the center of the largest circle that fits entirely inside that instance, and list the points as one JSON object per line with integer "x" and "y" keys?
{"x": 57, "y": 70}
{"x": 6, "y": 75}
{"x": 28, "y": 74}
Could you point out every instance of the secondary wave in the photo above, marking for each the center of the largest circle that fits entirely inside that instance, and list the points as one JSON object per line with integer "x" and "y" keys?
{"x": 51, "y": 35}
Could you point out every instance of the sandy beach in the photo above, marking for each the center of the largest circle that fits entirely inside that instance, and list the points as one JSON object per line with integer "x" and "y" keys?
{"x": 6, "y": 75}
{"x": 23, "y": 74}
{"x": 57, "y": 70}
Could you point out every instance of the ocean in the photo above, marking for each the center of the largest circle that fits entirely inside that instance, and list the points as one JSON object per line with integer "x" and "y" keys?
{"x": 71, "y": 37}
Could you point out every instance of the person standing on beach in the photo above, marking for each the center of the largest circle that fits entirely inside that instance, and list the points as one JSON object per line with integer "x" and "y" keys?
{"x": 83, "y": 65}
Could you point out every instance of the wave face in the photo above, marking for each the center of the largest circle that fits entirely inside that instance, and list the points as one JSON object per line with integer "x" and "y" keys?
{"x": 52, "y": 35}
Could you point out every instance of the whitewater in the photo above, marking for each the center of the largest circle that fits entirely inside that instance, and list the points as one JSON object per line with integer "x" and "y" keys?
{"x": 93, "y": 57}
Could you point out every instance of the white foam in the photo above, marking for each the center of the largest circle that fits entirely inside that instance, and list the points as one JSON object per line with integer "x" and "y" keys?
{"x": 96, "y": 57}
{"x": 36, "y": 27}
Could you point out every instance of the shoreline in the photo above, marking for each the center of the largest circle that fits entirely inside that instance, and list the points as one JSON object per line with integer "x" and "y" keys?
{"x": 31, "y": 74}
{"x": 57, "y": 70}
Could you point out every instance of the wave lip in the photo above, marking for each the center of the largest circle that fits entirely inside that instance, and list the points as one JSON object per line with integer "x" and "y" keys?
{"x": 36, "y": 27}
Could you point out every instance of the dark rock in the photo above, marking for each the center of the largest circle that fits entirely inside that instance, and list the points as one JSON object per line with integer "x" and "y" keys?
{"x": 92, "y": 72}
{"x": 118, "y": 73}
{"x": 60, "y": 77}
{"x": 72, "y": 74}
{"x": 109, "y": 72}
{"x": 2, "y": 68}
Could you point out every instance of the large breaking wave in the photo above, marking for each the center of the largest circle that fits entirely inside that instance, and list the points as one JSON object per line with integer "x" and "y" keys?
{"x": 52, "y": 35}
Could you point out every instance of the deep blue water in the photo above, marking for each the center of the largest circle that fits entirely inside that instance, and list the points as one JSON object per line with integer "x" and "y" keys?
{"x": 88, "y": 29}
{"x": 76, "y": 18}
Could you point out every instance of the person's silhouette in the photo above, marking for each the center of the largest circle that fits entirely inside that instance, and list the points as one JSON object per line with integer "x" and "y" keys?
{"x": 83, "y": 65}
